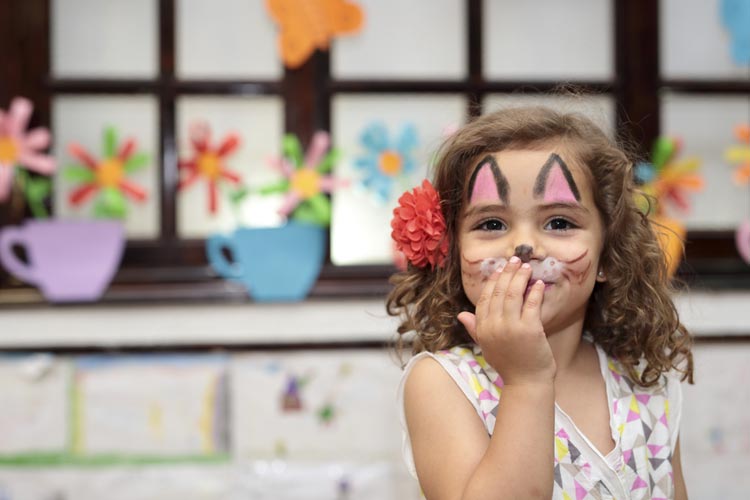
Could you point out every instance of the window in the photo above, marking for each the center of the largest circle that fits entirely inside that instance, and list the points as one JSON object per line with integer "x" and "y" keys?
{"x": 636, "y": 59}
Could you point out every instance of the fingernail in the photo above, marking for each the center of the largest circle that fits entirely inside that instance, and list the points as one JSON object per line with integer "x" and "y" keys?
{"x": 515, "y": 259}
{"x": 525, "y": 265}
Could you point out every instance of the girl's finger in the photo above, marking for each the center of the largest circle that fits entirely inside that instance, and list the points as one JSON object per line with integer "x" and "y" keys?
{"x": 483, "y": 304}
{"x": 497, "y": 300}
{"x": 532, "y": 306}
{"x": 469, "y": 321}
{"x": 516, "y": 290}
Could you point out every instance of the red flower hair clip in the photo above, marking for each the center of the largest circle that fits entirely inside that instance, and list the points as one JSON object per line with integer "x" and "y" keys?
{"x": 418, "y": 227}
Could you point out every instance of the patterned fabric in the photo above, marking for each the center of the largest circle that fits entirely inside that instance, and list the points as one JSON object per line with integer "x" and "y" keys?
{"x": 644, "y": 431}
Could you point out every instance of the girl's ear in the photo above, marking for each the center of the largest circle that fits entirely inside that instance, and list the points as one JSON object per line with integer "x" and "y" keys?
{"x": 601, "y": 277}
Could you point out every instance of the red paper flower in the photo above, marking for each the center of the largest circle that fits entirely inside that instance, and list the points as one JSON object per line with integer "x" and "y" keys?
{"x": 419, "y": 227}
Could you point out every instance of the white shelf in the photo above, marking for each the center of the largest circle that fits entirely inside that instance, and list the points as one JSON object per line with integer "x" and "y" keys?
{"x": 108, "y": 326}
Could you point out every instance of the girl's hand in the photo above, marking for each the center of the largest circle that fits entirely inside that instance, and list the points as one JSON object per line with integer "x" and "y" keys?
{"x": 509, "y": 329}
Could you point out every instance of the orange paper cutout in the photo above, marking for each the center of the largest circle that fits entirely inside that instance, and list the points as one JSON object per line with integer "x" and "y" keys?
{"x": 306, "y": 25}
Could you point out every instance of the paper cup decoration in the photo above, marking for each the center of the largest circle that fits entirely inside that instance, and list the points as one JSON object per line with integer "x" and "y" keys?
{"x": 282, "y": 264}
{"x": 69, "y": 261}
{"x": 274, "y": 264}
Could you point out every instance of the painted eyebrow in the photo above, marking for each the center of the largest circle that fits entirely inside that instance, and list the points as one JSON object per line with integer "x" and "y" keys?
{"x": 541, "y": 179}
{"x": 565, "y": 206}
{"x": 480, "y": 210}
{"x": 501, "y": 183}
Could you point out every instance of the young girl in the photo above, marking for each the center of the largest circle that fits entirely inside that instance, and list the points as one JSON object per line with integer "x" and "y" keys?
{"x": 548, "y": 353}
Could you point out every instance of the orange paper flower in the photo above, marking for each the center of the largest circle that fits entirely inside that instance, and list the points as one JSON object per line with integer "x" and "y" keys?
{"x": 306, "y": 25}
{"x": 418, "y": 227}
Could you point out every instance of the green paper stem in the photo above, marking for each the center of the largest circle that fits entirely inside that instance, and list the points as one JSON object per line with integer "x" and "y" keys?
{"x": 281, "y": 186}
{"x": 111, "y": 204}
{"x": 35, "y": 191}
{"x": 315, "y": 210}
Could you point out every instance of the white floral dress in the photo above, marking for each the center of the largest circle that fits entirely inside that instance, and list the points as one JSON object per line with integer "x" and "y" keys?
{"x": 644, "y": 424}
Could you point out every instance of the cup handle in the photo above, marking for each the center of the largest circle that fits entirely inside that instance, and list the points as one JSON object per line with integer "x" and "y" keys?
{"x": 214, "y": 246}
{"x": 9, "y": 237}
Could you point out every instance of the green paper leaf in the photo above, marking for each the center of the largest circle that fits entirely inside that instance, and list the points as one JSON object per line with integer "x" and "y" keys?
{"x": 316, "y": 210}
{"x": 330, "y": 160}
{"x": 136, "y": 162}
{"x": 110, "y": 142}
{"x": 292, "y": 149}
{"x": 237, "y": 196}
{"x": 664, "y": 148}
{"x": 35, "y": 190}
{"x": 111, "y": 204}
{"x": 78, "y": 173}
{"x": 281, "y": 186}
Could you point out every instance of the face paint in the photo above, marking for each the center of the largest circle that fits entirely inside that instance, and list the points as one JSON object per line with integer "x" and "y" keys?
{"x": 548, "y": 270}
{"x": 487, "y": 183}
{"x": 555, "y": 183}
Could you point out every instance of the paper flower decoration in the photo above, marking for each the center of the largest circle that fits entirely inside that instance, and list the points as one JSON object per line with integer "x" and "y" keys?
{"x": 740, "y": 155}
{"x": 306, "y": 25}
{"x": 386, "y": 160}
{"x": 418, "y": 227}
{"x": 20, "y": 151}
{"x": 306, "y": 181}
{"x": 208, "y": 161}
{"x": 735, "y": 16}
{"x": 107, "y": 177}
{"x": 668, "y": 180}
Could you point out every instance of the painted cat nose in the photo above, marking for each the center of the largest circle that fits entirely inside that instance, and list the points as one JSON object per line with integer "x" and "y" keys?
{"x": 523, "y": 252}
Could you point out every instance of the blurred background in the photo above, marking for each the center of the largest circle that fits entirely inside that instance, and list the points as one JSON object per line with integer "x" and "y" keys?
{"x": 166, "y": 333}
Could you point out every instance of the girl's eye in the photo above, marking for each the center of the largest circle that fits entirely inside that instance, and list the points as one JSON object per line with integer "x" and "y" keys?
{"x": 492, "y": 225}
{"x": 559, "y": 224}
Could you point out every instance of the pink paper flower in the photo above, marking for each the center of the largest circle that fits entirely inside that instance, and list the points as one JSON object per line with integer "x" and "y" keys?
{"x": 419, "y": 227}
{"x": 19, "y": 148}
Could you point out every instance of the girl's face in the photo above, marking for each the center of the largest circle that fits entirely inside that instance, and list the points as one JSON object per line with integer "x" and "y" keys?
{"x": 538, "y": 205}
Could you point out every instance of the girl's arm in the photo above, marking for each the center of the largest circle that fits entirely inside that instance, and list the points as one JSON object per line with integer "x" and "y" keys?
{"x": 454, "y": 456}
{"x": 680, "y": 492}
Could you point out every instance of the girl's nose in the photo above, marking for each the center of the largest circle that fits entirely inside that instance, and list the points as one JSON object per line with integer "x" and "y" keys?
{"x": 524, "y": 252}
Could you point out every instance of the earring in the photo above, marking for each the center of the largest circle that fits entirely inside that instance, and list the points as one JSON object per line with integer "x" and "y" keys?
{"x": 600, "y": 275}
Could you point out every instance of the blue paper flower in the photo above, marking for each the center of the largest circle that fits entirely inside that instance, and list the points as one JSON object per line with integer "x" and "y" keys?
{"x": 386, "y": 160}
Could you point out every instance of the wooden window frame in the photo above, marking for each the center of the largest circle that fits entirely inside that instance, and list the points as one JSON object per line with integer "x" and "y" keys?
{"x": 170, "y": 268}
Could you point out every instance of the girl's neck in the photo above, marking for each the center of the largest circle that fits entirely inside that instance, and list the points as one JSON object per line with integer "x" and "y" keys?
{"x": 568, "y": 346}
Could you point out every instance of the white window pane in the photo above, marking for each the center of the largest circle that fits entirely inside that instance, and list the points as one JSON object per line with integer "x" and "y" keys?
{"x": 83, "y": 120}
{"x": 104, "y": 39}
{"x": 705, "y": 125}
{"x": 224, "y": 39}
{"x": 548, "y": 39}
{"x": 360, "y": 229}
{"x": 600, "y": 109}
{"x": 694, "y": 43}
{"x": 259, "y": 123}
{"x": 405, "y": 40}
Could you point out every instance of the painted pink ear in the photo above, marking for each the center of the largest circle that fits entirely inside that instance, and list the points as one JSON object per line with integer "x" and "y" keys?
{"x": 557, "y": 188}
{"x": 742, "y": 237}
{"x": 485, "y": 188}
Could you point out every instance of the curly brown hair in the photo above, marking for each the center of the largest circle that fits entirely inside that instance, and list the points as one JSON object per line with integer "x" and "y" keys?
{"x": 631, "y": 315}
